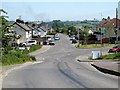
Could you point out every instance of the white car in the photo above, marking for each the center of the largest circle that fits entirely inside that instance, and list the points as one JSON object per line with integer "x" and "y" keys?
{"x": 30, "y": 42}
{"x": 57, "y": 38}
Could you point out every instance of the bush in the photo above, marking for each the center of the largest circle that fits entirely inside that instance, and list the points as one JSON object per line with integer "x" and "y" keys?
{"x": 19, "y": 57}
{"x": 51, "y": 33}
{"x": 33, "y": 58}
{"x": 16, "y": 57}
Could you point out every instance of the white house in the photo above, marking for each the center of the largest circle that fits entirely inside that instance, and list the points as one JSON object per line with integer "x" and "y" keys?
{"x": 22, "y": 30}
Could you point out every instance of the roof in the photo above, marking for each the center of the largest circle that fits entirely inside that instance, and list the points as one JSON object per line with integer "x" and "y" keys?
{"x": 22, "y": 25}
{"x": 111, "y": 22}
{"x": 43, "y": 29}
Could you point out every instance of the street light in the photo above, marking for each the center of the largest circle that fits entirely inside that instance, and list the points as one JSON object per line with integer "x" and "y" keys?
{"x": 101, "y": 41}
{"x": 78, "y": 37}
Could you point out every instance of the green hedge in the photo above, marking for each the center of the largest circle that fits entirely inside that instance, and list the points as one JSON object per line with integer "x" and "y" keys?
{"x": 16, "y": 57}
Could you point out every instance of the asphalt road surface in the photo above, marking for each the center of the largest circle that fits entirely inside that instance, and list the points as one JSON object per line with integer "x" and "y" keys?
{"x": 60, "y": 69}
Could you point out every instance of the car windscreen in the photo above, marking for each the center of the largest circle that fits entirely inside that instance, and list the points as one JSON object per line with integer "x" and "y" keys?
{"x": 31, "y": 41}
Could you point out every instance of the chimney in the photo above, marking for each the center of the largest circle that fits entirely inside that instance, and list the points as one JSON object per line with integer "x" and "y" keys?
{"x": 26, "y": 23}
{"x": 33, "y": 25}
{"x": 19, "y": 21}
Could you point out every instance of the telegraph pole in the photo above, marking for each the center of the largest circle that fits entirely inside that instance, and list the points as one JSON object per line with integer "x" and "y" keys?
{"x": 78, "y": 37}
{"x": 101, "y": 31}
{"x": 116, "y": 31}
{"x": 101, "y": 36}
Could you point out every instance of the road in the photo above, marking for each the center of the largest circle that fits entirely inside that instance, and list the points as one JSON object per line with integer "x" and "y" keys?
{"x": 60, "y": 69}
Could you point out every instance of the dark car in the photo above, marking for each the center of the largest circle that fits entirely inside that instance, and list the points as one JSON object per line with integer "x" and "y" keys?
{"x": 51, "y": 43}
{"x": 114, "y": 49}
{"x": 74, "y": 41}
{"x": 45, "y": 43}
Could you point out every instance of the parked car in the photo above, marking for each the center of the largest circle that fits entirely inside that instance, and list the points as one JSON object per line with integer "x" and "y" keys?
{"x": 51, "y": 42}
{"x": 72, "y": 38}
{"x": 45, "y": 43}
{"x": 57, "y": 38}
{"x": 30, "y": 42}
{"x": 74, "y": 41}
{"x": 114, "y": 49}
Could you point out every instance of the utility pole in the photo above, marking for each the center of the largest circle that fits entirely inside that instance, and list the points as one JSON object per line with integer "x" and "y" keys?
{"x": 78, "y": 37}
{"x": 101, "y": 36}
{"x": 116, "y": 31}
{"x": 101, "y": 31}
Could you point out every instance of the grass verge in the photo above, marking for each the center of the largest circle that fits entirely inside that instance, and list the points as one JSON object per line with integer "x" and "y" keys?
{"x": 113, "y": 56}
{"x": 35, "y": 47}
{"x": 95, "y": 46}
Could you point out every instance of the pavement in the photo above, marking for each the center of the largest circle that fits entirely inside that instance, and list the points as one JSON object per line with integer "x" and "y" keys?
{"x": 105, "y": 66}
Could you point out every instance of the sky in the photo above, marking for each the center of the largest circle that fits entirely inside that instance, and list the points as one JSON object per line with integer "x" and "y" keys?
{"x": 54, "y": 10}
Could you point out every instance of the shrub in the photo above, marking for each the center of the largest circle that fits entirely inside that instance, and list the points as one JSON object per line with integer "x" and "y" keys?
{"x": 33, "y": 58}
{"x": 15, "y": 57}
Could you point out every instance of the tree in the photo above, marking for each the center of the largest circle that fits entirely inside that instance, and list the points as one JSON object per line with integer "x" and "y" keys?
{"x": 85, "y": 37}
{"x": 57, "y": 24}
{"x": 72, "y": 30}
{"x": 108, "y": 18}
{"x": 5, "y": 37}
{"x": 104, "y": 19}
{"x": 2, "y": 11}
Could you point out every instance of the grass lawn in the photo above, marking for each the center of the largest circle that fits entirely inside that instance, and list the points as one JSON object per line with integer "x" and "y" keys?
{"x": 96, "y": 46}
{"x": 115, "y": 56}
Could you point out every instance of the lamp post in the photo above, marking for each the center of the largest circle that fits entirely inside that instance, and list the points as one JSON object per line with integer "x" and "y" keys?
{"x": 78, "y": 37}
{"x": 101, "y": 41}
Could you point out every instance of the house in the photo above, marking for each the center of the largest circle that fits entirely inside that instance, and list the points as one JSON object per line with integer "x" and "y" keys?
{"x": 42, "y": 32}
{"x": 38, "y": 33}
{"x": 109, "y": 28}
{"x": 22, "y": 30}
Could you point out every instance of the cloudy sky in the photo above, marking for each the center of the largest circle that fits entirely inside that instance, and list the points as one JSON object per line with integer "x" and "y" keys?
{"x": 63, "y": 10}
